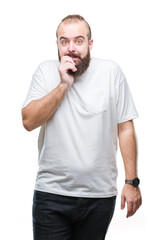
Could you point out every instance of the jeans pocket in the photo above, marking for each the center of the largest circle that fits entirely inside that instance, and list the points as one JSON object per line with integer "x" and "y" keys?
{"x": 41, "y": 209}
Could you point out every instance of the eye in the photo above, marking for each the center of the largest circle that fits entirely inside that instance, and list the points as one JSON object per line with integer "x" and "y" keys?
{"x": 79, "y": 41}
{"x": 64, "y": 42}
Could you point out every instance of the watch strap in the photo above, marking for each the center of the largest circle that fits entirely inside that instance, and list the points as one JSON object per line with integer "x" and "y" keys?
{"x": 129, "y": 181}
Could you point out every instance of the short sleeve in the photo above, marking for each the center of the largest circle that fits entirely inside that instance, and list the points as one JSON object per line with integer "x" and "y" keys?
{"x": 38, "y": 87}
{"x": 125, "y": 106}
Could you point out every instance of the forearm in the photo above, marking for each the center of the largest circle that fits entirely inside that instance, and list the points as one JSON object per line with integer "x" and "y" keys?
{"x": 128, "y": 147}
{"x": 40, "y": 111}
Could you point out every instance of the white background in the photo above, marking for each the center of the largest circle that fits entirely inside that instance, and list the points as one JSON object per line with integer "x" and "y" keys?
{"x": 126, "y": 31}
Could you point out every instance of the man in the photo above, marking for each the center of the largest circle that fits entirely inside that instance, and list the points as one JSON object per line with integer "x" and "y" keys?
{"x": 82, "y": 104}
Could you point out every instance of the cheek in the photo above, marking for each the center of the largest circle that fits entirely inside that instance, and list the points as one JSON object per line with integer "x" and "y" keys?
{"x": 83, "y": 52}
{"x": 80, "y": 50}
{"x": 62, "y": 51}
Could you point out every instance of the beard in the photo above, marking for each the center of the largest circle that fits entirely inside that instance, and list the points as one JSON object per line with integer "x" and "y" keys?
{"x": 81, "y": 65}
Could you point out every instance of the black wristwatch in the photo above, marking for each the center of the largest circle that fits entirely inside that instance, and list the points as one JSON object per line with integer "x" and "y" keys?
{"x": 135, "y": 182}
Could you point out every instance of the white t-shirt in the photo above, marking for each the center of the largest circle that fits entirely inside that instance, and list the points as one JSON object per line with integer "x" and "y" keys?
{"x": 78, "y": 145}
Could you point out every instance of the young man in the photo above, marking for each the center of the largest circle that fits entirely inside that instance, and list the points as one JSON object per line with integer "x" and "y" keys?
{"x": 82, "y": 104}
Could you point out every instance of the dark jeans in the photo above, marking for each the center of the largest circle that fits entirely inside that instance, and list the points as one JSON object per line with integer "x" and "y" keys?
{"x": 57, "y": 217}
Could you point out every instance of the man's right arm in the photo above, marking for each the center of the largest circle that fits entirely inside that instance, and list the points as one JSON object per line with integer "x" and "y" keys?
{"x": 39, "y": 111}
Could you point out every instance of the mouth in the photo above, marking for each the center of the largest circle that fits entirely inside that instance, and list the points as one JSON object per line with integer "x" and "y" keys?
{"x": 73, "y": 56}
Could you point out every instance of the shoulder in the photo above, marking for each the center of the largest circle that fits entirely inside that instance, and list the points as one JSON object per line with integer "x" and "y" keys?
{"x": 47, "y": 67}
{"x": 105, "y": 62}
{"x": 111, "y": 69}
{"x": 110, "y": 65}
{"x": 49, "y": 64}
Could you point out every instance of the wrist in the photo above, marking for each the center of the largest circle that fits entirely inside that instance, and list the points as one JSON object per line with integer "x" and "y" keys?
{"x": 64, "y": 86}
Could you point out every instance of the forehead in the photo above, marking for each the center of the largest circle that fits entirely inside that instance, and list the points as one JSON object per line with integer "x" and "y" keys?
{"x": 70, "y": 29}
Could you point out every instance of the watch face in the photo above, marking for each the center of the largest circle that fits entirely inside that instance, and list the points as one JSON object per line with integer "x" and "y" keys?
{"x": 136, "y": 182}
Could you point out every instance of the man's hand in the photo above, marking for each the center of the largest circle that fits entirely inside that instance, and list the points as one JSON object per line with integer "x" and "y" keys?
{"x": 66, "y": 64}
{"x": 132, "y": 196}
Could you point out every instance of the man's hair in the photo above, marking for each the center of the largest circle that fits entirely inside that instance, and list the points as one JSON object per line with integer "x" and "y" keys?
{"x": 73, "y": 18}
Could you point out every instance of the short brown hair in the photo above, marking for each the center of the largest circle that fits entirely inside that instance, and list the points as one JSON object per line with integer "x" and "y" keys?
{"x": 72, "y": 18}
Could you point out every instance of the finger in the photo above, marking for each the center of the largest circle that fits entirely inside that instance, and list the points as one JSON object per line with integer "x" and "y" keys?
{"x": 66, "y": 59}
{"x": 135, "y": 208}
{"x": 122, "y": 202}
{"x": 129, "y": 210}
{"x": 69, "y": 66}
{"x": 139, "y": 203}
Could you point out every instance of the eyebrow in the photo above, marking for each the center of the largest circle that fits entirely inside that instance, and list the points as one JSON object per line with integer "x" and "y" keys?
{"x": 74, "y": 37}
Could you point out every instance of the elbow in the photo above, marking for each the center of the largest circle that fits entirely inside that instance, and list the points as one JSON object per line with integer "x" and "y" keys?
{"x": 26, "y": 121}
{"x": 27, "y": 125}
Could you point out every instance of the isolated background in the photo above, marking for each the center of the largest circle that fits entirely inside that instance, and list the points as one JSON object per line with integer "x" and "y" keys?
{"x": 126, "y": 31}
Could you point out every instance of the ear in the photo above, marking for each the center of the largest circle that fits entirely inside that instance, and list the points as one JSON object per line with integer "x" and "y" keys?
{"x": 57, "y": 42}
{"x": 90, "y": 44}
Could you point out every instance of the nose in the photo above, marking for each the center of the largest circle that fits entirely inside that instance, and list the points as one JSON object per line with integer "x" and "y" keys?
{"x": 71, "y": 47}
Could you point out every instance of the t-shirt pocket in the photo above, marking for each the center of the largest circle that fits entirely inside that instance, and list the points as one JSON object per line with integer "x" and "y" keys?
{"x": 95, "y": 101}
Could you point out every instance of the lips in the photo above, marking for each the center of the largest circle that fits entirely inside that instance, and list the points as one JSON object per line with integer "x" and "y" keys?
{"x": 73, "y": 55}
